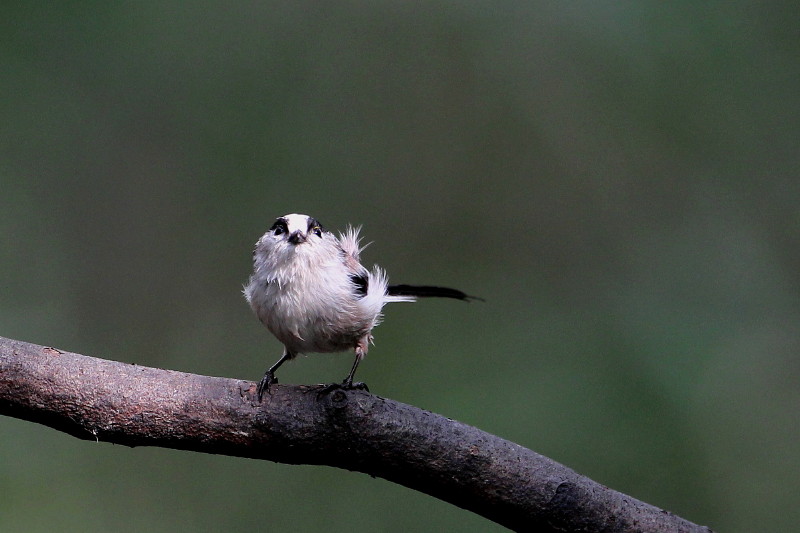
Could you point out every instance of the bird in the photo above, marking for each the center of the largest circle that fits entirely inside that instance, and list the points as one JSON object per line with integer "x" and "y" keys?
{"x": 310, "y": 290}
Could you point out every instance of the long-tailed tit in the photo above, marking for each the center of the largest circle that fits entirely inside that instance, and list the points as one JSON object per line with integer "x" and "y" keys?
{"x": 311, "y": 291}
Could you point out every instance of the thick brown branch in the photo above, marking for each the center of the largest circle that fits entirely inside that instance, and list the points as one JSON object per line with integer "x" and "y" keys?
{"x": 96, "y": 399}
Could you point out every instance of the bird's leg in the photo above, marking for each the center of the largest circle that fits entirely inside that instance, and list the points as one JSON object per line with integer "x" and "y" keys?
{"x": 361, "y": 351}
{"x": 269, "y": 376}
{"x": 348, "y": 384}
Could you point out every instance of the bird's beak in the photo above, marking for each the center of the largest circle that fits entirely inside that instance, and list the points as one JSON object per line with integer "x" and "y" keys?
{"x": 297, "y": 237}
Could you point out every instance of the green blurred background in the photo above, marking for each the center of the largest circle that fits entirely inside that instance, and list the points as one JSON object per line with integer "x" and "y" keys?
{"x": 617, "y": 179}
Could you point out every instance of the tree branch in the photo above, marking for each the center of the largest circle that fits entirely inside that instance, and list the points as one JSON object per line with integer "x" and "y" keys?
{"x": 102, "y": 400}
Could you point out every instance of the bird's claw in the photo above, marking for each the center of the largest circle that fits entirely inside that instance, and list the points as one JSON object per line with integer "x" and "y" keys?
{"x": 344, "y": 385}
{"x": 264, "y": 384}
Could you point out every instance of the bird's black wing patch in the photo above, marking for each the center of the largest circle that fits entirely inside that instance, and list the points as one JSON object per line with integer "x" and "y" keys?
{"x": 361, "y": 282}
{"x": 427, "y": 291}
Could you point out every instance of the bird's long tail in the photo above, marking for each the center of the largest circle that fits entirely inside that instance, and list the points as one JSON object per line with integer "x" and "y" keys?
{"x": 427, "y": 291}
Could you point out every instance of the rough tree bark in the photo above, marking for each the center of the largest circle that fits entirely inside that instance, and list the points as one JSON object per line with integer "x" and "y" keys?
{"x": 127, "y": 404}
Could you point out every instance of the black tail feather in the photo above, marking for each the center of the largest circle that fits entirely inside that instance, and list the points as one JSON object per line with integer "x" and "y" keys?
{"x": 426, "y": 291}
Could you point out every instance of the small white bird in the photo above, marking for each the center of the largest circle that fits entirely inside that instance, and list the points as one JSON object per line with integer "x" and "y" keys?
{"x": 311, "y": 291}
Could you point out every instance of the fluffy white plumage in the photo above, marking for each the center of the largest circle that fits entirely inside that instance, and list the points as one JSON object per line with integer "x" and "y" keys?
{"x": 311, "y": 291}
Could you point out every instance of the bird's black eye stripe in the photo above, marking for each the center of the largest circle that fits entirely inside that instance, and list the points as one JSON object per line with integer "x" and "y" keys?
{"x": 279, "y": 227}
{"x": 315, "y": 227}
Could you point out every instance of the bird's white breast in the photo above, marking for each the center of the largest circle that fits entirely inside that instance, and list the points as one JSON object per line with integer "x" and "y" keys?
{"x": 305, "y": 298}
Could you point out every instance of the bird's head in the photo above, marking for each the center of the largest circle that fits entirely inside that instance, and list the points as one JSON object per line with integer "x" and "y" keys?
{"x": 296, "y": 229}
{"x": 290, "y": 234}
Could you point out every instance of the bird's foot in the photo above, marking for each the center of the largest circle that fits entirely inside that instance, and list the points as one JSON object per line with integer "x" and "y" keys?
{"x": 263, "y": 385}
{"x": 358, "y": 385}
{"x": 344, "y": 385}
